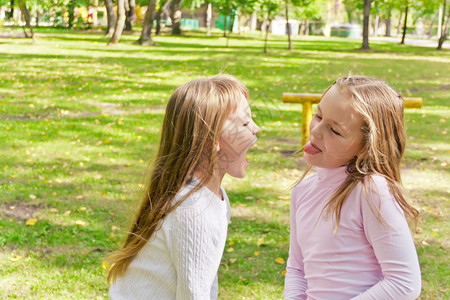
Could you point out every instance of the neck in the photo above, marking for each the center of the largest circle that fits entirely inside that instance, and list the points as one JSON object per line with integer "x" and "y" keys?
{"x": 213, "y": 184}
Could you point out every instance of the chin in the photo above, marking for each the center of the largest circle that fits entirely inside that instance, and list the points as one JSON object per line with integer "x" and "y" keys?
{"x": 237, "y": 174}
{"x": 240, "y": 175}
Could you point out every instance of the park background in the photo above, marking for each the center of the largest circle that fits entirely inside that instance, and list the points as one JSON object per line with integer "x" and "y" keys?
{"x": 80, "y": 118}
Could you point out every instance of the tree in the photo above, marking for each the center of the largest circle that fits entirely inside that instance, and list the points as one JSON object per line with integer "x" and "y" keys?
{"x": 120, "y": 22}
{"x": 208, "y": 18}
{"x": 130, "y": 8}
{"x": 10, "y": 14}
{"x": 26, "y": 15}
{"x": 163, "y": 6}
{"x": 444, "y": 25}
{"x": 225, "y": 8}
{"x": 270, "y": 9}
{"x": 288, "y": 28}
{"x": 175, "y": 15}
{"x": 384, "y": 8}
{"x": 146, "y": 34}
{"x": 367, "y": 4}
{"x": 405, "y": 20}
{"x": 71, "y": 9}
{"x": 305, "y": 10}
{"x": 111, "y": 16}
{"x": 352, "y": 6}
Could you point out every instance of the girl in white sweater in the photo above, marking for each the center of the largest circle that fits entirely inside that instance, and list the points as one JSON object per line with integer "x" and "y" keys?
{"x": 175, "y": 245}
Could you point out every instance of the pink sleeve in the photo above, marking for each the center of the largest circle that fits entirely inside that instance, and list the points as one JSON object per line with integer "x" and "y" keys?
{"x": 295, "y": 283}
{"x": 392, "y": 244}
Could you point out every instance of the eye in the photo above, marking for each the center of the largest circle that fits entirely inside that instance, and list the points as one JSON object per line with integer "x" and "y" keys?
{"x": 246, "y": 124}
{"x": 318, "y": 117}
{"x": 334, "y": 131}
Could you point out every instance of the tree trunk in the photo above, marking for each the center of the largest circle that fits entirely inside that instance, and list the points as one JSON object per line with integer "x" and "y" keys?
{"x": 225, "y": 26}
{"x": 119, "y": 24}
{"x": 375, "y": 25}
{"x": 208, "y": 19}
{"x": 71, "y": 9}
{"x": 241, "y": 21}
{"x": 388, "y": 24}
{"x": 430, "y": 26}
{"x": 404, "y": 25}
{"x": 26, "y": 14}
{"x": 288, "y": 28}
{"x": 267, "y": 30}
{"x": 233, "y": 16}
{"x": 399, "y": 25}
{"x": 146, "y": 35}
{"x": 37, "y": 17}
{"x": 367, "y": 4}
{"x": 175, "y": 15}
{"x": 10, "y": 14}
{"x": 111, "y": 15}
{"x": 444, "y": 28}
{"x": 163, "y": 7}
{"x": 158, "y": 20}
{"x": 130, "y": 15}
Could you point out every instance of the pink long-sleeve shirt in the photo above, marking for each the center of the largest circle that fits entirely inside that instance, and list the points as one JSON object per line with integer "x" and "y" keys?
{"x": 364, "y": 259}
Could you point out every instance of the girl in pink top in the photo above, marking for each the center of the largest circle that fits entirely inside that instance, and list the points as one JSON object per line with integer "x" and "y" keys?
{"x": 349, "y": 234}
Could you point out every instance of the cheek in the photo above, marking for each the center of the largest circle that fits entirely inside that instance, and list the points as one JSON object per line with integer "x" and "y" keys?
{"x": 312, "y": 124}
{"x": 350, "y": 148}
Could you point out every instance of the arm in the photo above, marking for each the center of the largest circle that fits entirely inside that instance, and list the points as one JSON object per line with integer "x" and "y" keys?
{"x": 196, "y": 253}
{"x": 392, "y": 244}
{"x": 295, "y": 283}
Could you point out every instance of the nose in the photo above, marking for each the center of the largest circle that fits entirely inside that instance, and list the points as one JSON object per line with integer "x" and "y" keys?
{"x": 255, "y": 129}
{"x": 314, "y": 130}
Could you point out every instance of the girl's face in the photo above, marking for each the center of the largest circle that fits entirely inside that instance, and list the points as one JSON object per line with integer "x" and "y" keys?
{"x": 238, "y": 135}
{"x": 335, "y": 131}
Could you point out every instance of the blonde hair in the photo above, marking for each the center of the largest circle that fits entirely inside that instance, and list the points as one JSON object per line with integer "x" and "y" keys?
{"x": 194, "y": 118}
{"x": 383, "y": 144}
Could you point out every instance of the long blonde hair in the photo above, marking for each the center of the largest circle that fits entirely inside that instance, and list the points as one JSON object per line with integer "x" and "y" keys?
{"x": 383, "y": 144}
{"x": 194, "y": 118}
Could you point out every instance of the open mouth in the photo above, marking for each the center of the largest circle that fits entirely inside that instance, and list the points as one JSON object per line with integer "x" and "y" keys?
{"x": 251, "y": 145}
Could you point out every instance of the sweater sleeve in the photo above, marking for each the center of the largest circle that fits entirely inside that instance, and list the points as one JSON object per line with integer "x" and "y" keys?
{"x": 295, "y": 283}
{"x": 196, "y": 253}
{"x": 392, "y": 244}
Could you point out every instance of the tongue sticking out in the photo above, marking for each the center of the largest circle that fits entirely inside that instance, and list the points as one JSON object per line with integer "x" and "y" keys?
{"x": 310, "y": 149}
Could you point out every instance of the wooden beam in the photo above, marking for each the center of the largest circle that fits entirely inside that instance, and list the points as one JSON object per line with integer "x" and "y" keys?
{"x": 410, "y": 102}
{"x": 307, "y": 100}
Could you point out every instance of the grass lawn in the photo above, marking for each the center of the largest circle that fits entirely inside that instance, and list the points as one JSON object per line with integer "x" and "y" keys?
{"x": 79, "y": 122}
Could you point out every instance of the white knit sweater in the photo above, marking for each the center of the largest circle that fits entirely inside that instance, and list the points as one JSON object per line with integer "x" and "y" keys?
{"x": 181, "y": 259}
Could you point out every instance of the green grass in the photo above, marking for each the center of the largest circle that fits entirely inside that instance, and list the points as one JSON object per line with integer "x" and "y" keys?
{"x": 79, "y": 122}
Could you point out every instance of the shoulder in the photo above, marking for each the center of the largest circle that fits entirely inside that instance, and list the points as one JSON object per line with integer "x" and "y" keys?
{"x": 201, "y": 204}
{"x": 375, "y": 185}
{"x": 374, "y": 194}
{"x": 199, "y": 198}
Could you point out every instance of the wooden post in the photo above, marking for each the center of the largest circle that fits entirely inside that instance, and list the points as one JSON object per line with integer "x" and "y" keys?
{"x": 307, "y": 100}
{"x": 306, "y": 119}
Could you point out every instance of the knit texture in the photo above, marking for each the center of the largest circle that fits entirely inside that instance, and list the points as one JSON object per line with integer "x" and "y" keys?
{"x": 182, "y": 258}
